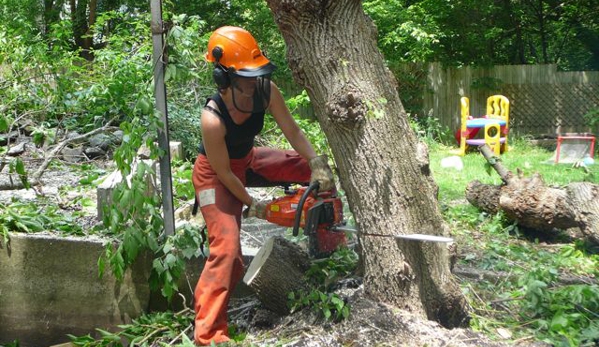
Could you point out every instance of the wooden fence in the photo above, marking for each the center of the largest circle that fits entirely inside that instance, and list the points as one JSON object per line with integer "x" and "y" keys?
{"x": 543, "y": 101}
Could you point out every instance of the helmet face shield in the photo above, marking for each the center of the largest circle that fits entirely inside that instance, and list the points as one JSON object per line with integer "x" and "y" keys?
{"x": 250, "y": 94}
{"x": 240, "y": 66}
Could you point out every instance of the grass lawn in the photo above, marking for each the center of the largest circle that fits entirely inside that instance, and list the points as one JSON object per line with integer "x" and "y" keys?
{"x": 524, "y": 298}
{"x": 529, "y": 159}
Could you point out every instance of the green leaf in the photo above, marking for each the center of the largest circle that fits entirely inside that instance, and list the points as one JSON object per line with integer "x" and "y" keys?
{"x": 21, "y": 227}
{"x": 152, "y": 243}
{"x": 108, "y": 336}
{"x": 167, "y": 248}
{"x": 18, "y": 167}
{"x": 158, "y": 266}
{"x": 143, "y": 105}
{"x": 345, "y": 312}
{"x": 3, "y": 123}
{"x": 171, "y": 72}
{"x": 337, "y": 301}
{"x": 559, "y": 322}
{"x": 130, "y": 244}
{"x": 170, "y": 260}
{"x": 101, "y": 266}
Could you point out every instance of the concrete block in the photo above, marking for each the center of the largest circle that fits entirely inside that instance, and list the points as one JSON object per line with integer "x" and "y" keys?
{"x": 105, "y": 189}
{"x": 49, "y": 287}
{"x": 176, "y": 149}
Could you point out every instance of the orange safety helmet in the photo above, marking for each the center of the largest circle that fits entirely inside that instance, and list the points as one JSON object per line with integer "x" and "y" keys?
{"x": 237, "y": 52}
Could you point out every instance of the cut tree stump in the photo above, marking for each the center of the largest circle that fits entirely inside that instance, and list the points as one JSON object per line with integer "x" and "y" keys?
{"x": 533, "y": 204}
{"x": 277, "y": 270}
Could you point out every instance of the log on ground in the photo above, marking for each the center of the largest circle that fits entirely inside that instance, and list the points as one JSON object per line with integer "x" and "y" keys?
{"x": 277, "y": 270}
{"x": 533, "y": 204}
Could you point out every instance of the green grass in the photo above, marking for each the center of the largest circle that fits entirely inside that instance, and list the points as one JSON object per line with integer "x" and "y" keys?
{"x": 526, "y": 301}
{"x": 529, "y": 159}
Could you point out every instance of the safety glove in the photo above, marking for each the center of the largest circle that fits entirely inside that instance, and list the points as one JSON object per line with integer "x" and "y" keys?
{"x": 256, "y": 209}
{"x": 321, "y": 172}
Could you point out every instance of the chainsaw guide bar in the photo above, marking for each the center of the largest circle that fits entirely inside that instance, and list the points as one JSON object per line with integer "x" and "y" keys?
{"x": 412, "y": 237}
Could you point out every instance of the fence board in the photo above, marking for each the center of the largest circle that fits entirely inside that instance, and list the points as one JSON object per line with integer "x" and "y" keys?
{"x": 542, "y": 99}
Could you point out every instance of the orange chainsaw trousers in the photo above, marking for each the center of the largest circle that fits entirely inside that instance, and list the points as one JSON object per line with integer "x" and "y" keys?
{"x": 222, "y": 213}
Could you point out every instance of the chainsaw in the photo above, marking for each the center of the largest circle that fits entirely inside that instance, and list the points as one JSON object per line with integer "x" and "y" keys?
{"x": 320, "y": 214}
{"x": 316, "y": 213}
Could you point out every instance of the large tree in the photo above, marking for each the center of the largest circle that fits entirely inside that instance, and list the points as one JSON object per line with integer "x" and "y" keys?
{"x": 332, "y": 52}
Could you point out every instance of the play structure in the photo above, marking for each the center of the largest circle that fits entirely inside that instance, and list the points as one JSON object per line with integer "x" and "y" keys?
{"x": 495, "y": 124}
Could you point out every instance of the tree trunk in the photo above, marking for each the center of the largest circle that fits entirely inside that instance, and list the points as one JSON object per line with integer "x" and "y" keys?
{"x": 52, "y": 11}
{"x": 535, "y": 205}
{"x": 81, "y": 26}
{"x": 332, "y": 51}
{"x": 277, "y": 270}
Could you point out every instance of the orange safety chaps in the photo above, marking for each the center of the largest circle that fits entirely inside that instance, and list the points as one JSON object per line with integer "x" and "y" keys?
{"x": 222, "y": 213}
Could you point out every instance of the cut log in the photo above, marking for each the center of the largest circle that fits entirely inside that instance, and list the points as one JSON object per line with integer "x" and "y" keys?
{"x": 277, "y": 270}
{"x": 533, "y": 204}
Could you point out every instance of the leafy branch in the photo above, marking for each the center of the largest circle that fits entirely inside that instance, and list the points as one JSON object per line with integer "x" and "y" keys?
{"x": 322, "y": 275}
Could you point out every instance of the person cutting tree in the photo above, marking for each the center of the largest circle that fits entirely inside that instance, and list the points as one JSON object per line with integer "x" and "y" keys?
{"x": 230, "y": 120}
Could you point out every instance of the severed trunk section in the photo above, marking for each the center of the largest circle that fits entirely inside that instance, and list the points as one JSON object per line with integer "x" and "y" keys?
{"x": 535, "y": 205}
{"x": 277, "y": 270}
{"x": 332, "y": 51}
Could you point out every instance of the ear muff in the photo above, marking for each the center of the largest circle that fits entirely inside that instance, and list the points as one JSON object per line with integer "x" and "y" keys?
{"x": 221, "y": 77}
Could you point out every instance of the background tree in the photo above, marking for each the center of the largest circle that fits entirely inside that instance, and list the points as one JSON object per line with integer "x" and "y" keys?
{"x": 487, "y": 32}
{"x": 384, "y": 170}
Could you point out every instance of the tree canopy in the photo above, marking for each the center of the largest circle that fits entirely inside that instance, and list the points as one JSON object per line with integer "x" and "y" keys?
{"x": 465, "y": 32}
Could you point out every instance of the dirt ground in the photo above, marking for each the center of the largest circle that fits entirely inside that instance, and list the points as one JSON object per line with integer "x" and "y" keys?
{"x": 370, "y": 323}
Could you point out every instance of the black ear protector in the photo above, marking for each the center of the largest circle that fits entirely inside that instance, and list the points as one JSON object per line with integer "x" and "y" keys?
{"x": 221, "y": 77}
{"x": 220, "y": 74}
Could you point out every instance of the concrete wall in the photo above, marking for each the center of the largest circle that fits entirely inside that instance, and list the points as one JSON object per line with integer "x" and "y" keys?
{"x": 49, "y": 287}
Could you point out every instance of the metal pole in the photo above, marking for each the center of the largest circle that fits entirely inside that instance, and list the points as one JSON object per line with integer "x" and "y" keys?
{"x": 160, "y": 95}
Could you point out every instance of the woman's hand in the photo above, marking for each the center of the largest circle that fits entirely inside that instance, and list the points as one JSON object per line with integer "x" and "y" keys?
{"x": 256, "y": 209}
{"x": 322, "y": 173}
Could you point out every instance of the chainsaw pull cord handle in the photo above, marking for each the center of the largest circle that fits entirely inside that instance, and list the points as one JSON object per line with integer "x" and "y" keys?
{"x": 300, "y": 206}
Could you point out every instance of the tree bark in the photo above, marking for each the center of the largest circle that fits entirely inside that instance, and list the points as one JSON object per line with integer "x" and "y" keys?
{"x": 52, "y": 11}
{"x": 332, "y": 51}
{"x": 535, "y": 205}
{"x": 277, "y": 270}
{"x": 82, "y": 25}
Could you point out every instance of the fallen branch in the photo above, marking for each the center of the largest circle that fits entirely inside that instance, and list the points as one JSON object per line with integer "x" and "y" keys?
{"x": 35, "y": 179}
{"x": 534, "y": 205}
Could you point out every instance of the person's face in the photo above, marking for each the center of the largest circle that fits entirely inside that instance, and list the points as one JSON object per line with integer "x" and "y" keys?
{"x": 246, "y": 86}
{"x": 251, "y": 94}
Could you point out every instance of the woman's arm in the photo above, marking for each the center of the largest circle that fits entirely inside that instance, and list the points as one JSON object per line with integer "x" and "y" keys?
{"x": 290, "y": 129}
{"x": 213, "y": 135}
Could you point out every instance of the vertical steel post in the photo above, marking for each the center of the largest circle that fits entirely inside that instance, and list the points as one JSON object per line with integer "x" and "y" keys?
{"x": 159, "y": 58}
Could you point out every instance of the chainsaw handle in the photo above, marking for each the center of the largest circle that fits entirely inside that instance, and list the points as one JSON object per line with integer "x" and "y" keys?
{"x": 300, "y": 206}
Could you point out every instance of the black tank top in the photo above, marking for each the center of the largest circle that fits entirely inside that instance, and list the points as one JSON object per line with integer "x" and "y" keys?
{"x": 239, "y": 138}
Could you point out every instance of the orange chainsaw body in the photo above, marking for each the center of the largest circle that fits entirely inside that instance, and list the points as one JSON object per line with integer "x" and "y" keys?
{"x": 319, "y": 215}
